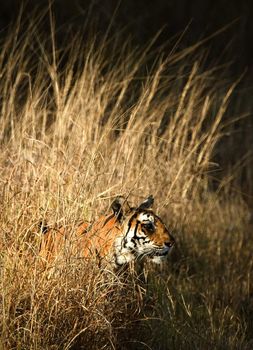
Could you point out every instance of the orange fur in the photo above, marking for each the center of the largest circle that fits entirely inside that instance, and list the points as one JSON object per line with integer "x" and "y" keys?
{"x": 85, "y": 241}
{"x": 126, "y": 235}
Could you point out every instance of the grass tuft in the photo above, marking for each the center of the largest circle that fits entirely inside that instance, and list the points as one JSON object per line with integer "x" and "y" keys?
{"x": 93, "y": 120}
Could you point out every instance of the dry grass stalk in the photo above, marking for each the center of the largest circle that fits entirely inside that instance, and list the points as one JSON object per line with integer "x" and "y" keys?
{"x": 80, "y": 126}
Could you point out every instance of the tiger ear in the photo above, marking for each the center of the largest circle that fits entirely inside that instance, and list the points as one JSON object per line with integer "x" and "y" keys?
{"x": 120, "y": 207}
{"x": 147, "y": 203}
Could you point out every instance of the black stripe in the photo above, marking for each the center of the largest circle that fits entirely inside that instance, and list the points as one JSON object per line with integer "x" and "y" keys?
{"x": 135, "y": 237}
{"x": 135, "y": 230}
{"x": 129, "y": 225}
{"x": 124, "y": 239}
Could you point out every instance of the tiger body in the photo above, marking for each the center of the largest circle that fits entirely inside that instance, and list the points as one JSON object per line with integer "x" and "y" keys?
{"x": 116, "y": 239}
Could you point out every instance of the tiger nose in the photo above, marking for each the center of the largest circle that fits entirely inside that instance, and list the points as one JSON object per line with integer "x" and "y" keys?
{"x": 170, "y": 243}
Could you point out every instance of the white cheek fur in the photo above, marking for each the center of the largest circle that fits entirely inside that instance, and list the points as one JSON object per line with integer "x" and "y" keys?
{"x": 128, "y": 247}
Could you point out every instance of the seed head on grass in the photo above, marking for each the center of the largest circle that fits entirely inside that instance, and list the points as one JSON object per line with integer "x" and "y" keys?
{"x": 75, "y": 135}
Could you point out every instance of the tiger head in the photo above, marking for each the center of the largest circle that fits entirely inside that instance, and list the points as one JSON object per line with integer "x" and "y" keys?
{"x": 143, "y": 233}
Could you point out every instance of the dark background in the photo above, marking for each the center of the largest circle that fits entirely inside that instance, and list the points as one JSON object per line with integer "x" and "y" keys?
{"x": 142, "y": 19}
{"x": 195, "y": 19}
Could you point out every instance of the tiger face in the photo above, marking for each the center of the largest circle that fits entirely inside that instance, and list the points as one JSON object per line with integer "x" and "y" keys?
{"x": 128, "y": 234}
{"x": 144, "y": 235}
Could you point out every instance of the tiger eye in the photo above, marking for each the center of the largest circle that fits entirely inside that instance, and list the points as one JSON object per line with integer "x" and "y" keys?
{"x": 149, "y": 227}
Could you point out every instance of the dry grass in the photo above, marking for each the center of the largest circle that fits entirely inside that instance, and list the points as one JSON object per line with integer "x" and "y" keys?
{"x": 81, "y": 125}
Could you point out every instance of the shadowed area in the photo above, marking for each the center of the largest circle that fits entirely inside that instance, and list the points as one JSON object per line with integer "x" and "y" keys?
{"x": 89, "y": 116}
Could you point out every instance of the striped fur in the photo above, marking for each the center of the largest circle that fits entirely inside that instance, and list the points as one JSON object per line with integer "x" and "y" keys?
{"x": 126, "y": 235}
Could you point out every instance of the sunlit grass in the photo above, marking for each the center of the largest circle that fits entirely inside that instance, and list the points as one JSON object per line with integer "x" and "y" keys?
{"x": 81, "y": 125}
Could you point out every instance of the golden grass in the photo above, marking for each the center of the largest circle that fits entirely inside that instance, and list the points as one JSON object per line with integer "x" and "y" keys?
{"x": 81, "y": 125}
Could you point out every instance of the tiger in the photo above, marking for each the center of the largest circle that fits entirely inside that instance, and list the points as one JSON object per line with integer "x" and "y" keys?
{"x": 126, "y": 235}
